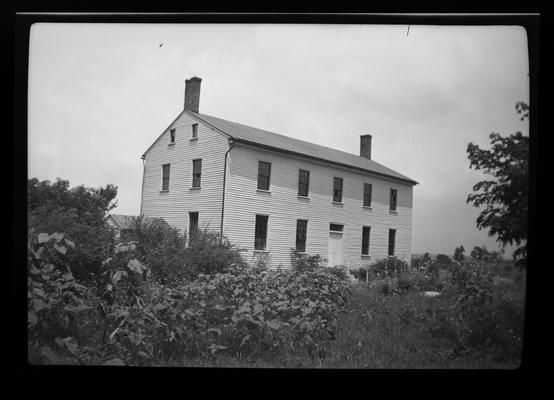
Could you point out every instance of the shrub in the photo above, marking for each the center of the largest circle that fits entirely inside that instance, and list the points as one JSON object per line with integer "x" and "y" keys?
{"x": 162, "y": 248}
{"x": 305, "y": 262}
{"x": 171, "y": 258}
{"x": 339, "y": 271}
{"x": 359, "y": 273}
{"x": 261, "y": 261}
{"x": 56, "y": 301}
{"x": 209, "y": 253}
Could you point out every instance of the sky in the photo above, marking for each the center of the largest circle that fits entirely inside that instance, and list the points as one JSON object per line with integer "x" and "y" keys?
{"x": 100, "y": 94}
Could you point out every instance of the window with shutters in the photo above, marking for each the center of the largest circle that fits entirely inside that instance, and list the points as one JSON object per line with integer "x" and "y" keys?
{"x": 264, "y": 172}
{"x": 367, "y": 194}
{"x": 165, "y": 177}
{"x": 196, "y": 172}
{"x": 193, "y": 223}
{"x": 303, "y": 183}
{"x": 392, "y": 240}
{"x": 301, "y": 233}
{"x": 365, "y": 240}
{"x": 172, "y": 136}
{"x": 337, "y": 190}
{"x": 393, "y": 195}
{"x": 260, "y": 232}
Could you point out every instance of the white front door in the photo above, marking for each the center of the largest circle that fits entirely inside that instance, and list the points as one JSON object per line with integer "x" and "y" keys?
{"x": 335, "y": 249}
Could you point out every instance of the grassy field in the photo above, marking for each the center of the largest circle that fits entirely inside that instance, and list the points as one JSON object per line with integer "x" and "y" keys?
{"x": 377, "y": 334}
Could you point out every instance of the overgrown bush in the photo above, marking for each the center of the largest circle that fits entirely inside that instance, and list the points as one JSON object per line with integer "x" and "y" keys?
{"x": 340, "y": 271}
{"x": 171, "y": 256}
{"x": 56, "y": 301}
{"x": 359, "y": 273}
{"x": 305, "y": 262}
{"x": 128, "y": 318}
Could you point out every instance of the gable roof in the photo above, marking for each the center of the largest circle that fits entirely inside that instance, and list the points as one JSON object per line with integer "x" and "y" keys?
{"x": 259, "y": 137}
{"x": 127, "y": 221}
{"x": 274, "y": 141}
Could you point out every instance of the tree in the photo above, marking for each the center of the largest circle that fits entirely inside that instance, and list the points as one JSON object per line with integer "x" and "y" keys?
{"x": 479, "y": 253}
{"x": 459, "y": 254}
{"x": 443, "y": 260}
{"x": 426, "y": 257}
{"x": 80, "y": 213}
{"x": 505, "y": 198}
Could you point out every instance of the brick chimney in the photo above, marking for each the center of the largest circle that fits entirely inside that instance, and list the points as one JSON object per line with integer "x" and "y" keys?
{"x": 365, "y": 146}
{"x": 192, "y": 94}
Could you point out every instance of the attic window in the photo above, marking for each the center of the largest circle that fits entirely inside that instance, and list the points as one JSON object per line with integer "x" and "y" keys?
{"x": 194, "y": 131}
{"x": 392, "y": 202}
{"x": 367, "y": 194}
{"x": 172, "y": 136}
{"x": 337, "y": 190}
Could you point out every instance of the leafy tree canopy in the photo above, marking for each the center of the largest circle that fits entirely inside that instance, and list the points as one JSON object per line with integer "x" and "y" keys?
{"x": 459, "y": 254}
{"x": 80, "y": 213}
{"x": 505, "y": 198}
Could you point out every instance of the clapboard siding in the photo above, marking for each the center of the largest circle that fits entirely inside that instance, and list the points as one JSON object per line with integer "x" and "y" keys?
{"x": 284, "y": 207}
{"x": 175, "y": 204}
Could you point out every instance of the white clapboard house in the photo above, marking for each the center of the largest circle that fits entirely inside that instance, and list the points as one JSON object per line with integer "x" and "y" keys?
{"x": 269, "y": 193}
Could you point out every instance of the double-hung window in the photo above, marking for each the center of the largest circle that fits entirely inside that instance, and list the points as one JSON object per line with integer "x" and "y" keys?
{"x": 193, "y": 223}
{"x": 337, "y": 190}
{"x": 264, "y": 172}
{"x": 196, "y": 172}
{"x": 260, "y": 232}
{"x": 301, "y": 233}
{"x": 303, "y": 183}
{"x": 165, "y": 176}
{"x": 392, "y": 240}
{"x": 367, "y": 194}
{"x": 365, "y": 240}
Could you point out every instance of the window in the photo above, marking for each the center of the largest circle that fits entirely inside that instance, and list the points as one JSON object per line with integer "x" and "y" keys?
{"x": 365, "y": 240}
{"x": 193, "y": 223}
{"x": 336, "y": 227}
{"x": 392, "y": 240}
{"x": 196, "y": 172}
{"x": 194, "y": 131}
{"x": 367, "y": 194}
{"x": 260, "y": 233}
{"x": 393, "y": 193}
{"x": 337, "y": 189}
{"x": 172, "y": 136}
{"x": 303, "y": 182}
{"x": 264, "y": 171}
{"x": 301, "y": 230}
{"x": 165, "y": 176}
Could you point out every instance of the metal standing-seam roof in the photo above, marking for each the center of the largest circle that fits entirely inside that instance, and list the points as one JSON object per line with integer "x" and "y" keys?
{"x": 259, "y": 137}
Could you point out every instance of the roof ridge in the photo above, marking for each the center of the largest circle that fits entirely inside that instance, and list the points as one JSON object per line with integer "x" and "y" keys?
{"x": 286, "y": 136}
